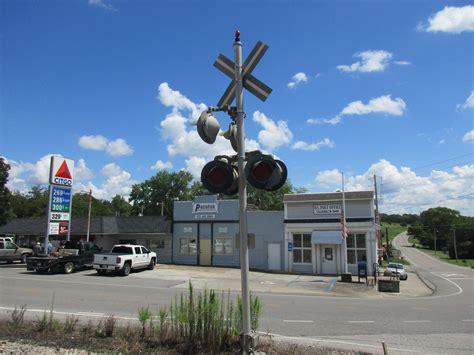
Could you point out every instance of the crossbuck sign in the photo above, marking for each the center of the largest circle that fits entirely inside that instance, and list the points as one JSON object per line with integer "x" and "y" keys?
{"x": 250, "y": 82}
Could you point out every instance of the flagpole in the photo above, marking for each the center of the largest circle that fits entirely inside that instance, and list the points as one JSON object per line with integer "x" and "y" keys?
{"x": 343, "y": 223}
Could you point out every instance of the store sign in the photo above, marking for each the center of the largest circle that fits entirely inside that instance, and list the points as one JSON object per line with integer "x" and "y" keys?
{"x": 327, "y": 209}
{"x": 61, "y": 171}
{"x": 59, "y": 216}
{"x": 204, "y": 207}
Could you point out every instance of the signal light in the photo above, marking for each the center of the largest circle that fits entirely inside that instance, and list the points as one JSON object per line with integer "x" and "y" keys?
{"x": 264, "y": 172}
{"x": 231, "y": 135}
{"x": 220, "y": 176}
{"x": 208, "y": 127}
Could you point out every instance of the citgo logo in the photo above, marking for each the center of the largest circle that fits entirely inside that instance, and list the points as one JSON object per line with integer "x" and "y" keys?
{"x": 63, "y": 175}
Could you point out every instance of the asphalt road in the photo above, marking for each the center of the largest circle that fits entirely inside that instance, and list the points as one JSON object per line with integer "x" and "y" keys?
{"x": 441, "y": 323}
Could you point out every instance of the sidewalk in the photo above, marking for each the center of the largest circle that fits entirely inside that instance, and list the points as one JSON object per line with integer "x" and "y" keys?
{"x": 218, "y": 278}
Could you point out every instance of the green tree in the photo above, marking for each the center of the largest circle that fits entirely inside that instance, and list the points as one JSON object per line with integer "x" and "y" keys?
{"x": 269, "y": 200}
{"x": 99, "y": 207}
{"x": 440, "y": 219}
{"x": 165, "y": 188}
{"x": 5, "y": 194}
{"x": 121, "y": 206}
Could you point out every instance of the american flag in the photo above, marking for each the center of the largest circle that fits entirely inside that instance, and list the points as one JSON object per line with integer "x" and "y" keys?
{"x": 344, "y": 226}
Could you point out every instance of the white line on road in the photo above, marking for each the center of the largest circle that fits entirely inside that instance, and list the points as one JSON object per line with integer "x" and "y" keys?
{"x": 416, "y": 321}
{"x": 297, "y": 321}
{"x": 361, "y": 321}
{"x": 79, "y": 314}
{"x": 335, "y": 341}
{"x": 461, "y": 278}
{"x": 467, "y": 320}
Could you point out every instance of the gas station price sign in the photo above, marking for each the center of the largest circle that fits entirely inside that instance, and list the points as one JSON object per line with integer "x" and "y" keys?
{"x": 60, "y": 199}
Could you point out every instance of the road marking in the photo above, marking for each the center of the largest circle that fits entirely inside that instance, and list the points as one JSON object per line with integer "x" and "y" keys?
{"x": 297, "y": 321}
{"x": 462, "y": 278}
{"x": 78, "y": 314}
{"x": 467, "y": 320}
{"x": 416, "y": 321}
{"x": 460, "y": 290}
{"x": 361, "y": 321}
{"x": 335, "y": 341}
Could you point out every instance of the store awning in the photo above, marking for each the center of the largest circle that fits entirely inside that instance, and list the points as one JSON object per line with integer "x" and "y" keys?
{"x": 326, "y": 237}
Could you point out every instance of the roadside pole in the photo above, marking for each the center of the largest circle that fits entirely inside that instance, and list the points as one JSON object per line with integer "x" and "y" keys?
{"x": 89, "y": 215}
{"x": 455, "y": 247}
{"x": 244, "y": 253}
{"x": 434, "y": 230}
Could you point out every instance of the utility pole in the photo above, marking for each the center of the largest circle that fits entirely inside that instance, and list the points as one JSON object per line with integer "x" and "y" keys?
{"x": 89, "y": 215}
{"x": 377, "y": 217}
{"x": 434, "y": 230}
{"x": 454, "y": 240}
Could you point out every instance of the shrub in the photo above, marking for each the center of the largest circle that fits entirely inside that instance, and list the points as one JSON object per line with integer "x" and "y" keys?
{"x": 18, "y": 316}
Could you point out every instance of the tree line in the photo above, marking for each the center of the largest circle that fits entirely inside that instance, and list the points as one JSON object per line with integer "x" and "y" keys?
{"x": 151, "y": 197}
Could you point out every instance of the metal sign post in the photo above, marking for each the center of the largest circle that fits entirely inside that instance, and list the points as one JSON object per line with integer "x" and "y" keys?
{"x": 242, "y": 78}
{"x": 244, "y": 252}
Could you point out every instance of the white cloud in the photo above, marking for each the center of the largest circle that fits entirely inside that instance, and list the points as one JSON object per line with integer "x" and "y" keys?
{"x": 301, "y": 145}
{"x": 273, "y": 134}
{"x": 469, "y": 136}
{"x": 93, "y": 142}
{"x": 403, "y": 191}
{"x": 469, "y": 103}
{"x": 452, "y": 20}
{"x": 102, "y": 4}
{"x": 194, "y": 165}
{"x": 401, "y": 62}
{"x": 297, "y": 79}
{"x": 333, "y": 121}
{"x": 442, "y": 141}
{"x": 161, "y": 165}
{"x": 111, "y": 169}
{"x": 179, "y": 102}
{"x": 118, "y": 147}
{"x": 382, "y": 104}
{"x": 81, "y": 171}
{"x": 370, "y": 61}
{"x": 329, "y": 178}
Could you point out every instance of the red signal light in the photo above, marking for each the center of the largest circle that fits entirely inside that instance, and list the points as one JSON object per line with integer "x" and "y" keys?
{"x": 219, "y": 176}
{"x": 264, "y": 172}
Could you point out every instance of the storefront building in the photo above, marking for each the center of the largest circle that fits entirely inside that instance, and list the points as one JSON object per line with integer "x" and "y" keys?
{"x": 313, "y": 232}
{"x": 206, "y": 232}
{"x": 154, "y": 232}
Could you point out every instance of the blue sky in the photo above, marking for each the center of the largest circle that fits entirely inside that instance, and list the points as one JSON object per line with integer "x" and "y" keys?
{"x": 360, "y": 87}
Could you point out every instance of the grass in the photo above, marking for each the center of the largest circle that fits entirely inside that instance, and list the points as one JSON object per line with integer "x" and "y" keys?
{"x": 393, "y": 230}
{"x": 443, "y": 257}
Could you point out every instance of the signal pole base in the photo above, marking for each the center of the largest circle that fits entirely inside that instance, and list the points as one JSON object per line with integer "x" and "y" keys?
{"x": 248, "y": 343}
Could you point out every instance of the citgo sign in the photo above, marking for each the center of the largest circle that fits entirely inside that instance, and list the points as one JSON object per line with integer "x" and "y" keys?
{"x": 62, "y": 171}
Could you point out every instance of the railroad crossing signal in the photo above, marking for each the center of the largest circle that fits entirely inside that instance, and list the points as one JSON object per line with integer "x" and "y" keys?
{"x": 250, "y": 82}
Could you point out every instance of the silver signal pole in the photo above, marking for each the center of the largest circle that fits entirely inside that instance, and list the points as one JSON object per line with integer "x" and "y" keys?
{"x": 244, "y": 252}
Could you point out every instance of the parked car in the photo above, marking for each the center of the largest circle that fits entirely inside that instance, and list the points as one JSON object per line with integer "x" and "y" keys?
{"x": 72, "y": 257}
{"x": 123, "y": 258}
{"x": 396, "y": 270}
{"x": 11, "y": 252}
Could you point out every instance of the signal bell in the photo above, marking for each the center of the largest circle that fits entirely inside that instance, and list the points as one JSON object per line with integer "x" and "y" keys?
{"x": 264, "y": 172}
{"x": 208, "y": 127}
{"x": 220, "y": 176}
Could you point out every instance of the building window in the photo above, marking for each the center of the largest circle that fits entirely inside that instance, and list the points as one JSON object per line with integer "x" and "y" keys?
{"x": 251, "y": 241}
{"x": 187, "y": 246}
{"x": 356, "y": 250}
{"x": 156, "y": 244}
{"x": 302, "y": 249}
{"x": 223, "y": 246}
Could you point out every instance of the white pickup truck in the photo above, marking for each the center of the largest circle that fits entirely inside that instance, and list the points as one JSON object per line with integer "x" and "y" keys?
{"x": 123, "y": 258}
